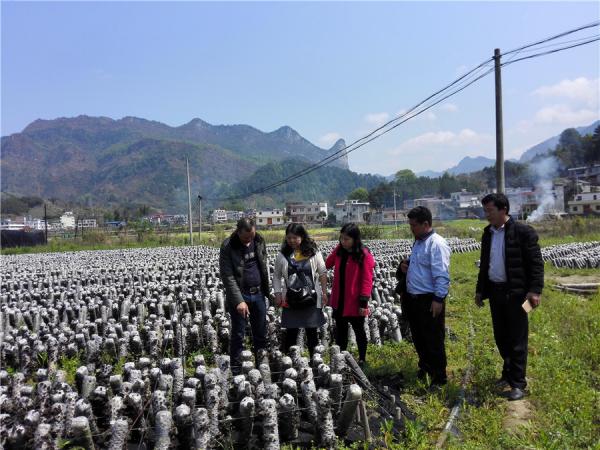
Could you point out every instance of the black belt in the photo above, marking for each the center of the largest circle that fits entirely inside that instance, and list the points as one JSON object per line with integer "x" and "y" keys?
{"x": 251, "y": 290}
{"x": 503, "y": 285}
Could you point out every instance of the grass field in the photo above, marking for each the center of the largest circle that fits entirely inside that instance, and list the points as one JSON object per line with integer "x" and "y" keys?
{"x": 551, "y": 232}
{"x": 563, "y": 373}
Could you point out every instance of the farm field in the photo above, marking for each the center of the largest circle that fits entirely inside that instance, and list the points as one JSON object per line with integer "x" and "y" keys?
{"x": 562, "y": 410}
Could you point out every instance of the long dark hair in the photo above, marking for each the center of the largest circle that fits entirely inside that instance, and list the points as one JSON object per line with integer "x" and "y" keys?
{"x": 357, "y": 252}
{"x": 308, "y": 247}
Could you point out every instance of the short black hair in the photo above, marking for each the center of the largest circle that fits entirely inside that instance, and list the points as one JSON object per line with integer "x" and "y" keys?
{"x": 500, "y": 201}
{"x": 421, "y": 214}
{"x": 245, "y": 224}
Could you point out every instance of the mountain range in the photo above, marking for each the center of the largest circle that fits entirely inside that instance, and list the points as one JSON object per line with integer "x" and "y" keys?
{"x": 473, "y": 164}
{"x": 98, "y": 160}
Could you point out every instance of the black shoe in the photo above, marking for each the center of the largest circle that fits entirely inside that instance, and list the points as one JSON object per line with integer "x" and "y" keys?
{"x": 516, "y": 394}
{"x": 436, "y": 386}
{"x": 501, "y": 384}
{"x": 439, "y": 382}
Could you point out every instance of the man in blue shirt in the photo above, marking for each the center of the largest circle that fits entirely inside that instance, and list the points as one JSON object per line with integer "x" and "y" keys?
{"x": 427, "y": 282}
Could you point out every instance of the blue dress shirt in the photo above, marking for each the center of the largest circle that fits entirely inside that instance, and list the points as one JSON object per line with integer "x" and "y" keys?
{"x": 428, "y": 271}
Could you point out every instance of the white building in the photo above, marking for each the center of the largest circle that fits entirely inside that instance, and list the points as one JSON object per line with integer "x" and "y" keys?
{"x": 270, "y": 217}
{"x": 465, "y": 199}
{"x": 386, "y": 216}
{"x": 219, "y": 216}
{"x": 8, "y": 224}
{"x": 351, "y": 211}
{"x": 86, "y": 223}
{"x": 441, "y": 208}
{"x": 585, "y": 203}
{"x": 67, "y": 220}
{"x": 34, "y": 223}
{"x": 306, "y": 212}
{"x": 234, "y": 216}
{"x": 590, "y": 173}
{"x": 525, "y": 200}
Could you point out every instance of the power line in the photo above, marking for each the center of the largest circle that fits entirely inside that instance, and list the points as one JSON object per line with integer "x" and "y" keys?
{"x": 348, "y": 148}
{"x": 551, "y": 51}
{"x": 461, "y": 83}
{"x": 556, "y": 36}
{"x": 556, "y": 44}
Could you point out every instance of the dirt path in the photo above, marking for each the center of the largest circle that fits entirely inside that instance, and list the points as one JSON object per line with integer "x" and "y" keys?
{"x": 518, "y": 414}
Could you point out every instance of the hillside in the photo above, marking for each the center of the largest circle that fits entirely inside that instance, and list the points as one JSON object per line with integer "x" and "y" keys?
{"x": 136, "y": 161}
{"x": 328, "y": 183}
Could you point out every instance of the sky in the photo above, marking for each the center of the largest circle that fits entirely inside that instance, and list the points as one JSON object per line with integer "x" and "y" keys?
{"x": 328, "y": 70}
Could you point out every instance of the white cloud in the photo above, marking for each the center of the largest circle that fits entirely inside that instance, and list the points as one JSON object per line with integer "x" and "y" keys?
{"x": 377, "y": 119}
{"x": 449, "y": 107}
{"x": 582, "y": 91}
{"x": 328, "y": 139}
{"x": 565, "y": 115}
{"x": 429, "y": 115}
{"x": 441, "y": 140}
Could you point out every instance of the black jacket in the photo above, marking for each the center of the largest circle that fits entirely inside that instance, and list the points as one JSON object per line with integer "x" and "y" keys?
{"x": 522, "y": 259}
{"x": 231, "y": 267}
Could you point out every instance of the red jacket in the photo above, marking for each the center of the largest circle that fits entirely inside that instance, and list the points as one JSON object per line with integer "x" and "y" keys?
{"x": 358, "y": 280}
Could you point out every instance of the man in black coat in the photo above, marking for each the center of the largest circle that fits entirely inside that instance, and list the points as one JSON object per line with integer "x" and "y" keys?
{"x": 244, "y": 274}
{"x": 511, "y": 271}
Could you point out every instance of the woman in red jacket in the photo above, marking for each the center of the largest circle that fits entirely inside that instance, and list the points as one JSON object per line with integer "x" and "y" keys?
{"x": 352, "y": 285}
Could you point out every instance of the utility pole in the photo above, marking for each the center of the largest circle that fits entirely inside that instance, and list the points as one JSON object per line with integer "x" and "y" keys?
{"x": 187, "y": 167}
{"x": 45, "y": 223}
{"x": 499, "y": 126}
{"x": 199, "y": 218}
{"x": 395, "y": 221}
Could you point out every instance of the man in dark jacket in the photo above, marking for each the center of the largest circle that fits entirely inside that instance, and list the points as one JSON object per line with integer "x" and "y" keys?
{"x": 244, "y": 273}
{"x": 511, "y": 271}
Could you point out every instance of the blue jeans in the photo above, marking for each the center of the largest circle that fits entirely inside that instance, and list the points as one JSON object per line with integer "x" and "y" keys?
{"x": 258, "y": 323}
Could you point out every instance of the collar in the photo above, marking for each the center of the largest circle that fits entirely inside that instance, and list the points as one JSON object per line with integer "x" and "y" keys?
{"x": 498, "y": 230}
{"x": 425, "y": 236}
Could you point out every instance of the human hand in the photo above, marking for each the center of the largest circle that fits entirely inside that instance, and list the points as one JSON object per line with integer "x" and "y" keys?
{"x": 478, "y": 300}
{"x": 534, "y": 299}
{"x": 278, "y": 299}
{"x": 436, "y": 308}
{"x": 363, "y": 312}
{"x": 324, "y": 299}
{"x": 242, "y": 309}
{"x": 404, "y": 266}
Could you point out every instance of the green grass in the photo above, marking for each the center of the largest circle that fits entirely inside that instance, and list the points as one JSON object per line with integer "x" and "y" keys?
{"x": 563, "y": 373}
{"x": 70, "y": 366}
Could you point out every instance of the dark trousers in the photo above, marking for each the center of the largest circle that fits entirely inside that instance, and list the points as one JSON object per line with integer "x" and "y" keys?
{"x": 428, "y": 334}
{"x": 341, "y": 333}
{"x": 258, "y": 324}
{"x": 511, "y": 327}
{"x": 291, "y": 337}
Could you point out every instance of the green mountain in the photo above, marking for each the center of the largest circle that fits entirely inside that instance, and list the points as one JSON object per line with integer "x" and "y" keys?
{"x": 132, "y": 161}
{"x": 326, "y": 184}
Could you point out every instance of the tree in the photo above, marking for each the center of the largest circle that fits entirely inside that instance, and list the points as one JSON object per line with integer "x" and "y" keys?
{"x": 360, "y": 194}
{"x": 569, "y": 148}
{"x": 448, "y": 184}
{"x": 405, "y": 176}
{"x": 591, "y": 147}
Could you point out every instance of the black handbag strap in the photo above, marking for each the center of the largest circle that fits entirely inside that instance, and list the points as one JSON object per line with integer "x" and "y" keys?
{"x": 295, "y": 270}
